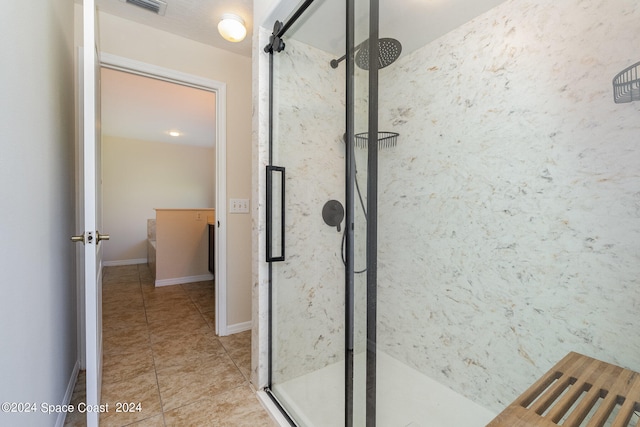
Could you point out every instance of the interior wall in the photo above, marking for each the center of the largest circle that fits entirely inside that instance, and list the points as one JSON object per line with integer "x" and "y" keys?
{"x": 141, "y": 43}
{"x": 509, "y": 210}
{"x": 139, "y": 176}
{"x": 260, "y": 306}
{"x": 38, "y": 304}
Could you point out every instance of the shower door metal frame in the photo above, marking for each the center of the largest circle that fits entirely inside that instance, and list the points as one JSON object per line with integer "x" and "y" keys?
{"x": 372, "y": 214}
{"x": 372, "y": 189}
{"x": 350, "y": 177}
{"x": 275, "y": 44}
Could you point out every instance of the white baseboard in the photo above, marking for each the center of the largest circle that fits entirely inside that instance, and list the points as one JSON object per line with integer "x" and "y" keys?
{"x": 182, "y": 280}
{"x": 239, "y": 327}
{"x": 124, "y": 262}
{"x": 68, "y": 394}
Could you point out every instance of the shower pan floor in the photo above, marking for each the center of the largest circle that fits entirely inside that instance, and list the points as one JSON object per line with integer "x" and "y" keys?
{"x": 406, "y": 398}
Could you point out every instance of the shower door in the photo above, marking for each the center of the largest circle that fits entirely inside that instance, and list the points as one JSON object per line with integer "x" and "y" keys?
{"x": 306, "y": 224}
{"x": 322, "y": 363}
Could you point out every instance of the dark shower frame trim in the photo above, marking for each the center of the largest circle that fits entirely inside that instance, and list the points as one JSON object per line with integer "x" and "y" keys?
{"x": 350, "y": 168}
{"x": 372, "y": 191}
{"x": 372, "y": 215}
{"x": 276, "y": 44}
{"x": 271, "y": 170}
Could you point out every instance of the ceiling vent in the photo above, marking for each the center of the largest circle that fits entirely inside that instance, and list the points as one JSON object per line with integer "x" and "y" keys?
{"x": 156, "y": 6}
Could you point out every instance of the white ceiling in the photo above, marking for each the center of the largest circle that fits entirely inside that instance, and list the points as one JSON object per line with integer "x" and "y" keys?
{"x": 414, "y": 23}
{"x": 193, "y": 19}
{"x": 142, "y": 108}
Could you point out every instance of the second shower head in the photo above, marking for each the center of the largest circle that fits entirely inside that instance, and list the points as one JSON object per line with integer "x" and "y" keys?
{"x": 388, "y": 51}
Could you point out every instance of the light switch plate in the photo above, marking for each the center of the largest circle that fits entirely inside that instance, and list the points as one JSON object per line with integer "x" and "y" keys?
{"x": 238, "y": 206}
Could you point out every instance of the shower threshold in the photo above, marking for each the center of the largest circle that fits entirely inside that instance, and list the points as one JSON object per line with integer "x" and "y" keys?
{"x": 406, "y": 397}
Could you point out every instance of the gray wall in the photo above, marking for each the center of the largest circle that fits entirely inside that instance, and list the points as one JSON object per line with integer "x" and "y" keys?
{"x": 38, "y": 304}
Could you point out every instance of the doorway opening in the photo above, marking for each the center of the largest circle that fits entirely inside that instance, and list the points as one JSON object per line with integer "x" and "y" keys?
{"x": 214, "y": 92}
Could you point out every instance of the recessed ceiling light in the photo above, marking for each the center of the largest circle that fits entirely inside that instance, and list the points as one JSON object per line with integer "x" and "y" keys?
{"x": 174, "y": 133}
{"x": 231, "y": 27}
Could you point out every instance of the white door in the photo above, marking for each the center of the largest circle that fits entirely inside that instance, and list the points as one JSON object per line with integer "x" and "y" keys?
{"x": 90, "y": 193}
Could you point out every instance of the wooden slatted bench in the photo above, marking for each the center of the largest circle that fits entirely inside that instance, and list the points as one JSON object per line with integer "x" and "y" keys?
{"x": 577, "y": 391}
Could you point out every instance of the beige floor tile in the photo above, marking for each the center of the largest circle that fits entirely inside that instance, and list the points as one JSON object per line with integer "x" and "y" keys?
{"x": 159, "y": 300}
{"x": 199, "y": 288}
{"x": 127, "y": 319}
{"x": 129, "y": 301}
{"x": 115, "y": 303}
{"x": 147, "y": 278}
{"x": 237, "y": 407}
{"x": 111, "y": 280}
{"x": 162, "y": 291}
{"x": 205, "y": 304}
{"x": 238, "y": 346}
{"x": 119, "y": 287}
{"x": 121, "y": 302}
{"x": 160, "y": 329}
{"x": 202, "y": 293}
{"x": 157, "y": 421}
{"x": 142, "y": 389}
{"x": 180, "y": 385}
{"x": 113, "y": 312}
{"x": 118, "y": 367}
{"x": 161, "y": 342}
{"x": 244, "y": 365}
{"x": 144, "y": 270}
{"x": 120, "y": 270}
{"x": 117, "y": 341}
{"x": 139, "y": 330}
{"x": 169, "y": 333}
{"x": 196, "y": 286}
{"x": 185, "y": 349}
{"x": 210, "y": 318}
{"x": 168, "y": 310}
{"x": 239, "y": 341}
{"x": 176, "y": 323}
{"x": 171, "y": 306}
{"x": 147, "y": 284}
{"x": 122, "y": 287}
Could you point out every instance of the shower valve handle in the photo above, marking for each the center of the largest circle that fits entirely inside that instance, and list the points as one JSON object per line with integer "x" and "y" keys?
{"x": 333, "y": 214}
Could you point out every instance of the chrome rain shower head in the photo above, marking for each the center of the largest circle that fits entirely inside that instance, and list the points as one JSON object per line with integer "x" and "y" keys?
{"x": 389, "y": 51}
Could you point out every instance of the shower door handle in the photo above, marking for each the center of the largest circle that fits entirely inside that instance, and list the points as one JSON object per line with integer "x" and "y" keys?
{"x": 275, "y": 207}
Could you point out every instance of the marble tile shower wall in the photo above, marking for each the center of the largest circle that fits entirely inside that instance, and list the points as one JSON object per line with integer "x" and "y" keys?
{"x": 309, "y": 99}
{"x": 510, "y": 208}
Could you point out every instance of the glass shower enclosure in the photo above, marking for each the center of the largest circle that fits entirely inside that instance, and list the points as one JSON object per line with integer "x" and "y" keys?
{"x": 452, "y": 204}
{"x": 316, "y": 230}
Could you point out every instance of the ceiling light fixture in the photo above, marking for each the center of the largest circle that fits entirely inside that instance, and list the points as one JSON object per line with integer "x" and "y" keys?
{"x": 174, "y": 133}
{"x": 231, "y": 27}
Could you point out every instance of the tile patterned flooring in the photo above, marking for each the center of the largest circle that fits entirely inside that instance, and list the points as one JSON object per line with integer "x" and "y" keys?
{"x": 160, "y": 349}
